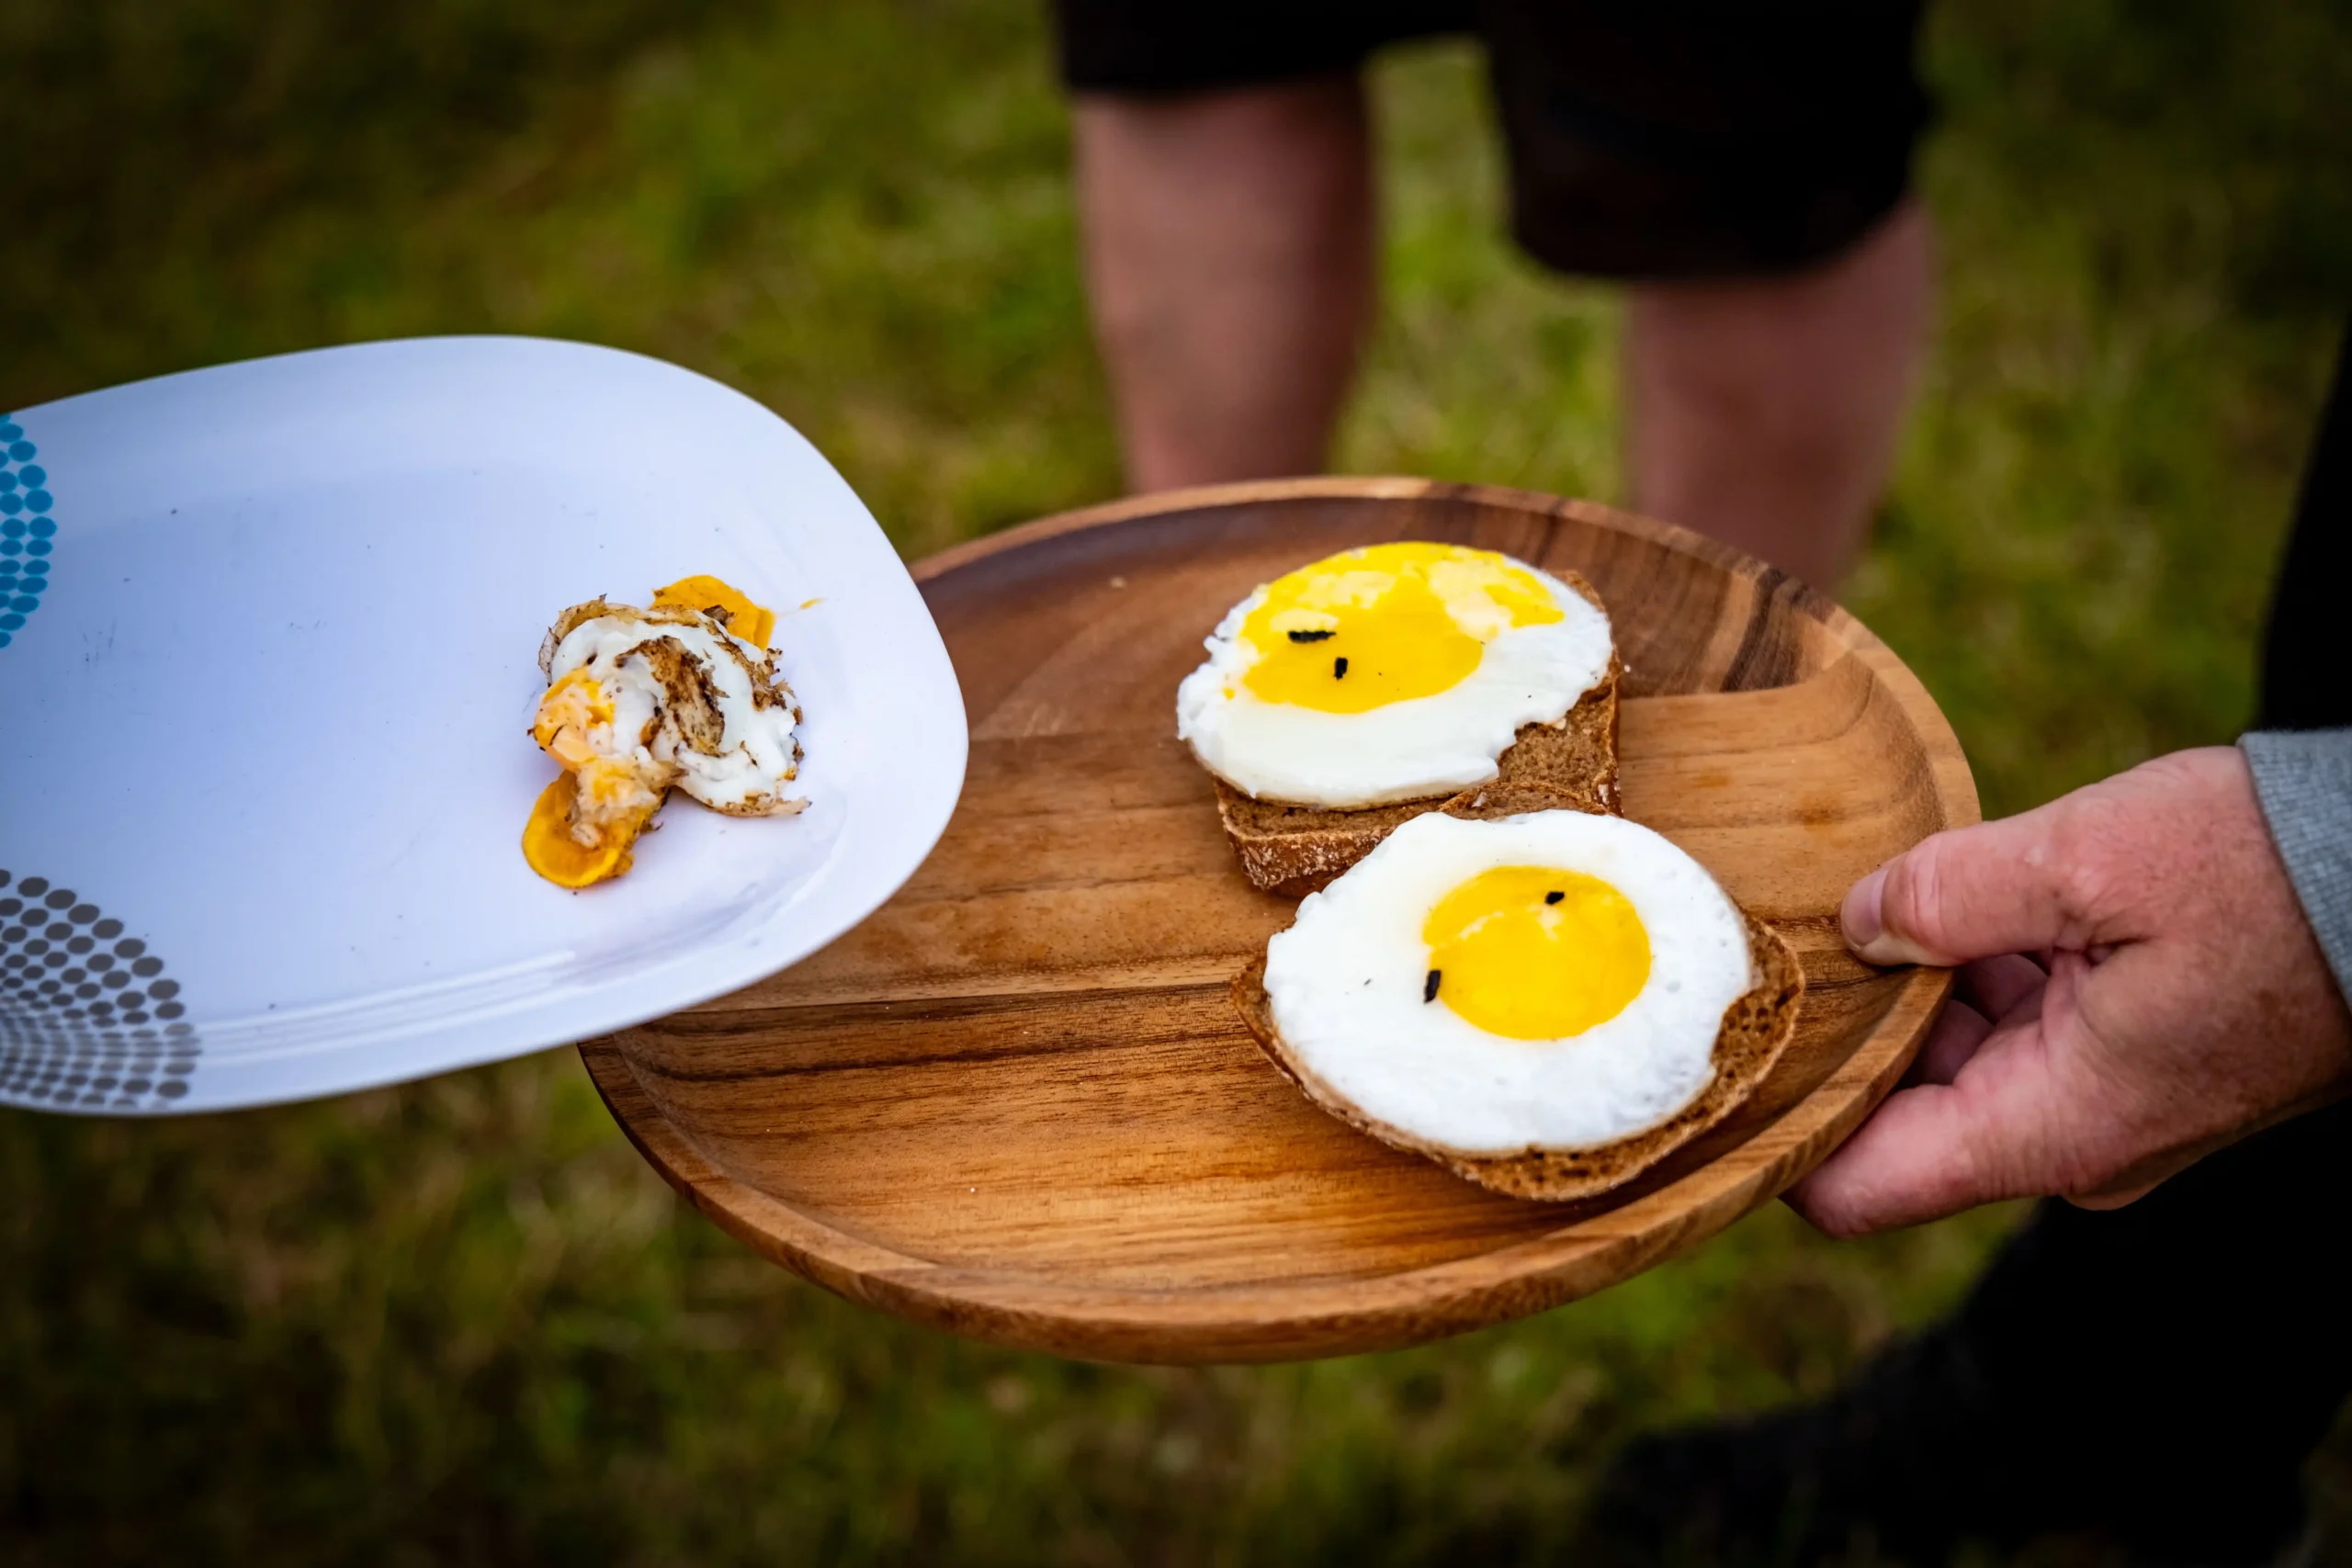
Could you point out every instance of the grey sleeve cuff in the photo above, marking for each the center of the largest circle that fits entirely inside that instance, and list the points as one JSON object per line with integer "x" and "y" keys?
{"x": 2303, "y": 778}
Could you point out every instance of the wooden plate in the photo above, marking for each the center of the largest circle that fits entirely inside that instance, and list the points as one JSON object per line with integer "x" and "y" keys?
{"x": 1016, "y": 1101}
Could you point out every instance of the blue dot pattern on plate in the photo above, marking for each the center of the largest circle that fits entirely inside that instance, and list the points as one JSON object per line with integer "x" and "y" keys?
{"x": 89, "y": 1020}
{"x": 28, "y": 529}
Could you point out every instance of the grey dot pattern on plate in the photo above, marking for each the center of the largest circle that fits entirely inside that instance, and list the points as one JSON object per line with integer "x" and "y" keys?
{"x": 89, "y": 1019}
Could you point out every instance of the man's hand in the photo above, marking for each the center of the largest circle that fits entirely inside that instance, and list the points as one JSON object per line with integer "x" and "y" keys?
{"x": 2138, "y": 988}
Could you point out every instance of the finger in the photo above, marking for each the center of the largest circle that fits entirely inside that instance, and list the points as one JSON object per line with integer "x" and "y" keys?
{"x": 2119, "y": 1197}
{"x": 2000, "y": 988}
{"x": 1997, "y": 1131}
{"x": 1954, "y": 1039}
{"x": 1968, "y": 893}
{"x": 2144, "y": 1176}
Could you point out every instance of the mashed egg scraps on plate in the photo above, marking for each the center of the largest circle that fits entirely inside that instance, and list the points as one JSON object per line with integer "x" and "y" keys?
{"x": 1392, "y": 672}
{"x": 1557, "y": 981}
{"x": 640, "y": 701}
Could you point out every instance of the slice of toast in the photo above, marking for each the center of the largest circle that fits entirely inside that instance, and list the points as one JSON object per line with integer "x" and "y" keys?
{"x": 1756, "y": 1028}
{"x": 1295, "y": 850}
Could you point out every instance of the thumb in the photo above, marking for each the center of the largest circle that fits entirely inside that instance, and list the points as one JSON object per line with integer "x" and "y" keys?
{"x": 1996, "y": 887}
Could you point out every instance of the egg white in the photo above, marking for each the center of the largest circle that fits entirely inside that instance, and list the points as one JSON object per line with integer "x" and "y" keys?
{"x": 1410, "y": 749}
{"x": 1344, "y": 984}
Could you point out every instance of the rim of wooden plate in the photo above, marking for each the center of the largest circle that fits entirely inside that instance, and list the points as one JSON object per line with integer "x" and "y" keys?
{"x": 1306, "y": 1319}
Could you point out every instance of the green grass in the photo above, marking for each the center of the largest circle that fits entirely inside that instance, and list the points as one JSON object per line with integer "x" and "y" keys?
{"x": 460, "y": 1321}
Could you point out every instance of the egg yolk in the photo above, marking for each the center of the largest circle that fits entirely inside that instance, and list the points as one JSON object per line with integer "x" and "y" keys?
{"x": 1535, "y": 952}
{"x": 571, "y": 706}
{"x": 1386, "y": 623}
{"x": 751, "y": 621}
{"x": 563, "y": 860}
{"x": 584, "y": 821}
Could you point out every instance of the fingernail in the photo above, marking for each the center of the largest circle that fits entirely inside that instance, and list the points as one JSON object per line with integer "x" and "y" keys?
{"x": 1860, "y": 913}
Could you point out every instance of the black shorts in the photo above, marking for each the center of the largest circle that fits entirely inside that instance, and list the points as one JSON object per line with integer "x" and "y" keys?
{"x": 1666, "y": 139}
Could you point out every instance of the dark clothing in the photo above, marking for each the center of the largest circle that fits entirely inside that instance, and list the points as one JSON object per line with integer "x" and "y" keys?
{"x": 2166, "y": 1365}
{"x": 2304, "y": 667}
{"x": 1169, "y": 46}
{"x": 1681, "y": 139}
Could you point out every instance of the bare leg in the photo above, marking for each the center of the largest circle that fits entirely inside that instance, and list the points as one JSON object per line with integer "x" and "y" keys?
{"x": 1766, "y": 412}
{"x": 1229, "y": 262}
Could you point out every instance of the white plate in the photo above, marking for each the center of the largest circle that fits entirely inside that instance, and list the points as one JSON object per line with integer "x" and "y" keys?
{"x": 265, "y": 716}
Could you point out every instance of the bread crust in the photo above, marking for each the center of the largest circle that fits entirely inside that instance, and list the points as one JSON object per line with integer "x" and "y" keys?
{"x": 1756, "y": 1028}
{"x": 1570, "y": 764}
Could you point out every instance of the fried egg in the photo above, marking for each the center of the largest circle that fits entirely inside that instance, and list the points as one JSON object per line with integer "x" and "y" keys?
{"x": 1549, "y": 981}
{"x": 1392, "y": 672}
{"x": 640, "y": 702}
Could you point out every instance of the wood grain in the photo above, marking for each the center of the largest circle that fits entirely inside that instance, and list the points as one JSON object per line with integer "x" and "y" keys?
{"x": 1016, "y": 1101}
